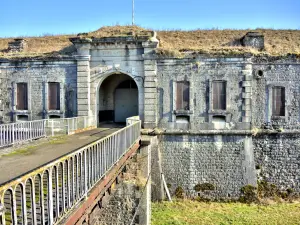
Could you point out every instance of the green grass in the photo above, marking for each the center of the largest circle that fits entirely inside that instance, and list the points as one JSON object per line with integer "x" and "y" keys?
{"x": 22, "y": 151}
{"x": 30, "y": 149}
{"x": 193, "y": 212}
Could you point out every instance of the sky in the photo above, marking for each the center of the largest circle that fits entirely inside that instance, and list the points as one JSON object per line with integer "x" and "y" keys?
{"x": 44, "y": 17}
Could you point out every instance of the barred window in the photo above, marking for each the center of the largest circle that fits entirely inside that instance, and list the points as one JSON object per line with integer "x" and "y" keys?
{"x": 53, "y": 96}
{"x": 278, "y": 108}
{"x": 219, "y": 94}
{"x": 183, "y": 95}
{"x": 22, "y": 96}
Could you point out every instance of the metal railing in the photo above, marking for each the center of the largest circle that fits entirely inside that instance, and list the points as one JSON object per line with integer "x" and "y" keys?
{"x": 14, "y": 133}
{"x": 131, "y": 120}
{"x": 47, "y": 194}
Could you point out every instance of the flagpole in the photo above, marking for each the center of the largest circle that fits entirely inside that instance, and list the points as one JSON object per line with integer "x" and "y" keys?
{"x": 132, "y": 12}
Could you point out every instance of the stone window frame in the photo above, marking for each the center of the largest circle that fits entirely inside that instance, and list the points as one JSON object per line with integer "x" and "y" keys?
{"x": 219, "y": 112}
{"x": 60, "y": 112}
{"x": 269, "y": 100}
{"x": 176, "y": 112}
{"x": 15, "y": 111}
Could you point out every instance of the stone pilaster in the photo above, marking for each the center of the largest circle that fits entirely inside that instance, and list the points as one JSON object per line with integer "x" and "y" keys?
{"x": 150, "y": 84}
{"x": 83, "y": 85}
{"x": 247, "y": 92}
{"x": 150, "y": 94}
{"x": 83, "y": 46}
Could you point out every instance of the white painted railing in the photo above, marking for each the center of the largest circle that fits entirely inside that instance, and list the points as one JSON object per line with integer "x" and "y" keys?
{"x": 131, "y": 120}
{"x": 14, "y": 133}
{"x": 47, "y": 194}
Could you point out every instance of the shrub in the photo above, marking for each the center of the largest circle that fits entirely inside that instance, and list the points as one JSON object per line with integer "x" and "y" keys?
{"x": 204, "y": 187}
{"x": 179, "y": 192}
{"x": 249, "y": 194}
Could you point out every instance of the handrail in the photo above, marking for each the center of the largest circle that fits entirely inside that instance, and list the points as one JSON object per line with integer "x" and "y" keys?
{"x": 15, "y": 133}
{"x": 47, "y": 194}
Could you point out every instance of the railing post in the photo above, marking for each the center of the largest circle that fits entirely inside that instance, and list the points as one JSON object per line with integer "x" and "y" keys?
{"x": 34, "y": 217}
{"x": 30, "y": 130}
{"x": 45, "y": 134}
{"x": 2, "y": 212}
{"x": 125, "y": 132}
{"x": 68, "y": 126}
{"x": 24, "y": 205}
{"x": 52, "y": 128}
{"x": 85, "y": 175}
{"x": 14, "y": 208}
{"x": 50, "y": 197}
{"x": 13, "y": 133}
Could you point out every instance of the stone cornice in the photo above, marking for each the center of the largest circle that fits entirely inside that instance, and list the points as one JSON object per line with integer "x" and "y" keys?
{"x": 82, "y": 57}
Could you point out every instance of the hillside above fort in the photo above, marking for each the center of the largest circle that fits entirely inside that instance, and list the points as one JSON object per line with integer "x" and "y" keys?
{"x": 173, "y": 43}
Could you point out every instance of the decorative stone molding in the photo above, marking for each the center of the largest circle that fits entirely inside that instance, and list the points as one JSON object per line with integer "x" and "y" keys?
{"x": 247, "y": 92}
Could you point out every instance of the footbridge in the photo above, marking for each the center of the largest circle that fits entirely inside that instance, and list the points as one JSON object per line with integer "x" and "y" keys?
{"x": 63, "y": 189}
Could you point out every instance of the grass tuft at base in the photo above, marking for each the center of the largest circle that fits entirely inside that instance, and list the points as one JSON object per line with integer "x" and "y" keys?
{"x": 192, "y": 212}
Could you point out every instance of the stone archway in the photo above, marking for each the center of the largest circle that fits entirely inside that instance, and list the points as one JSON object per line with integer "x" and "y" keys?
{"x": 118, "y": 98}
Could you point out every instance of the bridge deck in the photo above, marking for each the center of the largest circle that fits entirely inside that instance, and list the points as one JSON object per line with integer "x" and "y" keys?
{"x": 16, "y": 164}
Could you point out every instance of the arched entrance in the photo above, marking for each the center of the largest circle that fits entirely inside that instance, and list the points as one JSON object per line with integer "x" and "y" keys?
{"x": 126, "y": 101}
{"x": 117, "y": 99}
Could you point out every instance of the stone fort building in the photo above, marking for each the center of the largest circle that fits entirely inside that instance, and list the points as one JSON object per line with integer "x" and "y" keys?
{"x": 223, "y": 104}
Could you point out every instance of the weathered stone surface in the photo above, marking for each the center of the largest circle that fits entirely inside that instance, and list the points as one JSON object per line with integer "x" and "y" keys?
{"x": 277, "y": 160}
{"x": 214, "y": 159}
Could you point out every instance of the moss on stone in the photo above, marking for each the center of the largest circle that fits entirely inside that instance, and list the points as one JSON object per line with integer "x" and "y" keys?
{"x": 204, "y": 187}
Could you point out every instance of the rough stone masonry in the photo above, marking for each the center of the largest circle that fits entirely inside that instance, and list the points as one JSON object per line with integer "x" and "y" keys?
{"x": 224, "y": 120}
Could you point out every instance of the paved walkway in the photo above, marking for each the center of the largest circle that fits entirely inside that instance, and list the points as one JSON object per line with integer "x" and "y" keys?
{"x": 32, "y": 156}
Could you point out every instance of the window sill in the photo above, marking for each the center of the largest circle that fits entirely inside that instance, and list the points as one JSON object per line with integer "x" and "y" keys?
{"x": 182, "y": 112}
{"x": 54, "y": 112}
{"x": 21, "y": 111}
{"x": 277, "y": 117}
{"x": 218, "y": 112}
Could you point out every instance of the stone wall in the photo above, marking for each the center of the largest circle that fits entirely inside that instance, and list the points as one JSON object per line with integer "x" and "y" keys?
{"x": 277, "y": 159}
{"x": 4, "y": 100}
{"x": 226, "y": 162}
{"x": 37, "y": 74}
{"x": 200, "y": 73}
{"x": 278, "y": 73}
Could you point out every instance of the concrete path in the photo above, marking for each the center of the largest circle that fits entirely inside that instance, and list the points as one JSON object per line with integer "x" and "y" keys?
{"x": 39, "y": 153}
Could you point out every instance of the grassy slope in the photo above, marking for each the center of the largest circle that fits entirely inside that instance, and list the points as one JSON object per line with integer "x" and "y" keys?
{"x": 192, "y": 212}
{"x": 277, "y": 42}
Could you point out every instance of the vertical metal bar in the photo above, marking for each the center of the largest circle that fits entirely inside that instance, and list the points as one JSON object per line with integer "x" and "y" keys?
{"x": 125, "y": 139}
{"x": 24, "y": 205}
{"x": 14, "y": 208}
{"x": 33, "y": 203}
{"x": 92, "y": 162}
{"x": 99, "y": 161}
{"x": 1, "y": 136}
{"x": 78, "y": 177}
{"x": 50, "y": 197}
{"x": 52, "y": 128}
{"x": 85, "y": 174}
{"x": 57, "y": 191}
{"x": 73, "y": 180}
{"x": 63, "y": 186}
{"x": 105, "y": 155}
{"x": 68, "y": 185}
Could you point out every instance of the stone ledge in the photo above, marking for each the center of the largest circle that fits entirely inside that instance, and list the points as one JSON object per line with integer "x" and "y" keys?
{"x": 157, "y": 131}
